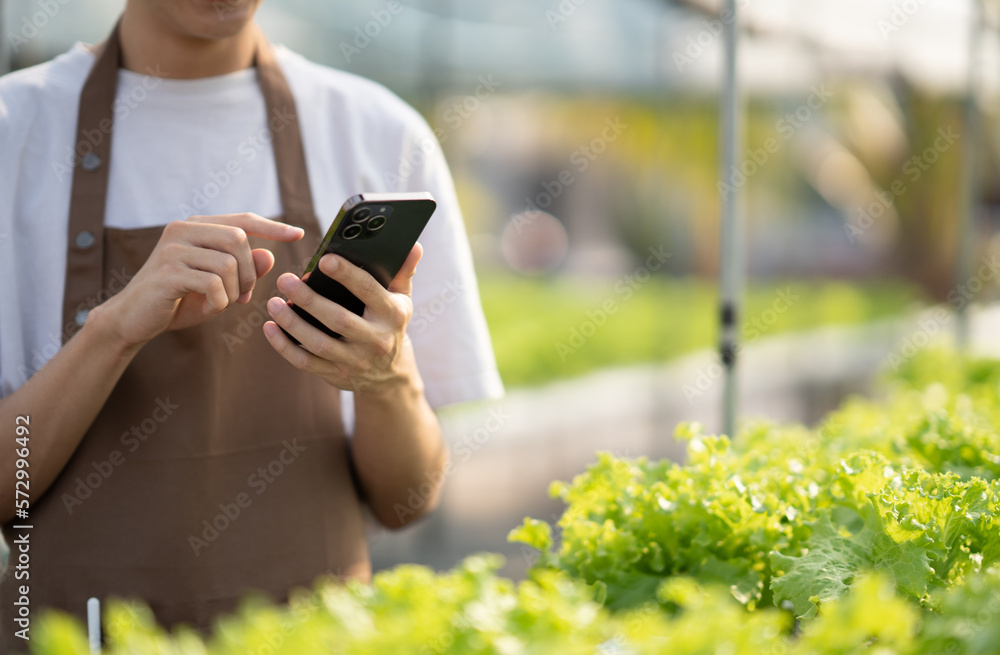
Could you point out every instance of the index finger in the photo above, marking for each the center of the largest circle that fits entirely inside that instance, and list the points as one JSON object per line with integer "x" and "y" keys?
{"x": 254, "y": 224}
{"x": 357, "y": 280}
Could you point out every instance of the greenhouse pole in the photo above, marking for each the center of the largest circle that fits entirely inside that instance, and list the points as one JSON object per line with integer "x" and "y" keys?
{"x": 971, "y": 176}
{"x": 4, "y": 56}
{"x": 730, "y": 233}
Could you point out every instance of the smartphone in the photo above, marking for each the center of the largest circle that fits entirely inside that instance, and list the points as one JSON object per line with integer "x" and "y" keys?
{"x": 374, "y": 231}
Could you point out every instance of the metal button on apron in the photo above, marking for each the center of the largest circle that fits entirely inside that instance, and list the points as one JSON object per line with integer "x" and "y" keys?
{"x": 85, "y": 239}
{"x": 91, "y": 162}
{"x": 81, "y": 317}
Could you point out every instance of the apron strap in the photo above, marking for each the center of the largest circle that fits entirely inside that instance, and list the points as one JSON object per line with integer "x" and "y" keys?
{"x": 85, "y": 286}
{"x": 286, "y": 138}
{"x": 92, "y": 157}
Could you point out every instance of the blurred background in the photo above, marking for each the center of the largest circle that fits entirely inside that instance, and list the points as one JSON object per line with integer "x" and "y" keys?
{"x": 583, "y": 139}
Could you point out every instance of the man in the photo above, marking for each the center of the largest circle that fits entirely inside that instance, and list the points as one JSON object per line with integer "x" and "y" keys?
{"x": 182, "y": 449}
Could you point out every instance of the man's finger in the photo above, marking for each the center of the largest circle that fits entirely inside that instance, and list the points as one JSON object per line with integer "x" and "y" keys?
{"x": 311, "y": 338}
{"x": 403, "y": 282}
{"x": 263, "y": 261}
{"x": 358, "y": 281}
{"x": 339, "y": 319}
{"x": 218, "y": 263}
{"x": 298, "y": 357}
{"x": 254, "y": 224}
{"x": 229, "y": 240}
{"x": 191, "y": 280}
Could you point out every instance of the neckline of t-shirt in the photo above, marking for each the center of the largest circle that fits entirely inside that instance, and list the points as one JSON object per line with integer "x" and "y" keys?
{"x": 221, "y": 87}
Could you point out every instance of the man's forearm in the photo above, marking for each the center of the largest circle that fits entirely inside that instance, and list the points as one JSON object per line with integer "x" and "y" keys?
{"x": 62, "y": 400}
{"x": 398, "y": 450}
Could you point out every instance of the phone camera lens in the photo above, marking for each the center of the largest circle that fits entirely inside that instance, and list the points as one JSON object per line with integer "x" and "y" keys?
{"x": 376, "y": 223}
{"x": 353, "y": 231}
{"x": 361, "y": 215}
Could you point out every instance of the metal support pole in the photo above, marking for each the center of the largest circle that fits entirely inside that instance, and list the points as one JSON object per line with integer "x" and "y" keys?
{"x": 731, "y": 259}
{"x": 971, "y": 178}
{"x": 4, "y": 54}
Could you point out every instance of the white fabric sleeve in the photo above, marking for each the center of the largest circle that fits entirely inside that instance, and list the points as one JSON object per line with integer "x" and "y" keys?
{"x": 8, "y": 290}
{"x": 450, "y": 337}
{"x": 448, "y": 329}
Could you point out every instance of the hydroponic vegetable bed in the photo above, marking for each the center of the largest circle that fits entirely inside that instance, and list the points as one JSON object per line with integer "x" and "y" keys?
{"x": 877, "y": 532}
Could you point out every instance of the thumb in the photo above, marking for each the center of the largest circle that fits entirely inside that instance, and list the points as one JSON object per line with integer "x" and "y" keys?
{"x": 263, "y": 261}
{"x": 403, "y": 282}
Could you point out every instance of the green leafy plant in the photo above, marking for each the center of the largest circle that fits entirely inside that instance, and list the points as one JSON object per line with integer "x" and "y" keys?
{"x": 792, "y": 516}
{"x": 877, "y": 532}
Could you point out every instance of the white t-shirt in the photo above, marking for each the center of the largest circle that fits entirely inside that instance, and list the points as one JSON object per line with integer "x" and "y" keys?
{"x": 184, "y": 147}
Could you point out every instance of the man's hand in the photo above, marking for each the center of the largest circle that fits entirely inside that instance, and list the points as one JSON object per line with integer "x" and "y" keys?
{"x": 397, "y": 445}
{"x": 200, "y": 267}
{"x": 375, "y": 352}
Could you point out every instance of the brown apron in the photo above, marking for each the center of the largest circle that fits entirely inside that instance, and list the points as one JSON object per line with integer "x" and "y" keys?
{"x": 215, "y": 467}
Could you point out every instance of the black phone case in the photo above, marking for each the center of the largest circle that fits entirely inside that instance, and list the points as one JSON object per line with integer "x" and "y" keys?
{"x": 377, "y": 245}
